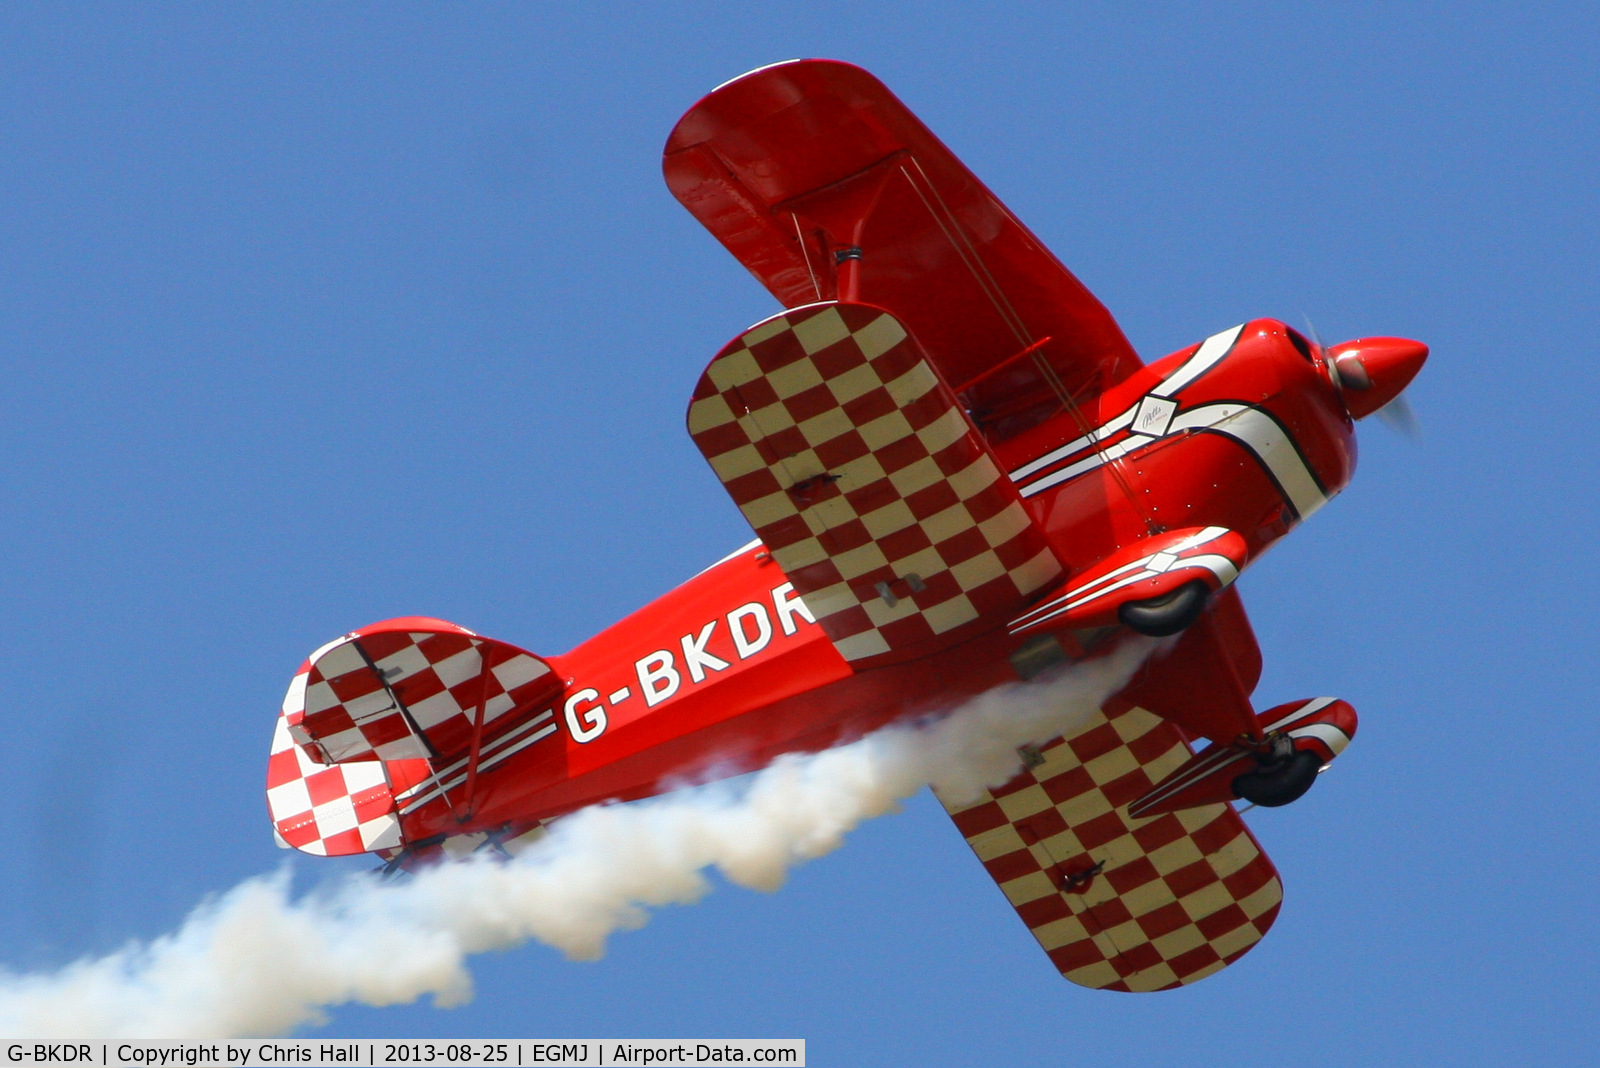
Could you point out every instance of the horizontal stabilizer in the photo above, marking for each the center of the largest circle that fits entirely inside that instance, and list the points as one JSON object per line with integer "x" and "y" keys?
{"x": 413, "y": 688}
{"x": 379, "y": 713}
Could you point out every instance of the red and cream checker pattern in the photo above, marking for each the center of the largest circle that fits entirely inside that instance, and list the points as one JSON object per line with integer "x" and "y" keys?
{"x": 438, "y": 676}
{"x": 858, "y": 471}
{"x": 1180, "y": 896}
{"x": 328, "y": 810}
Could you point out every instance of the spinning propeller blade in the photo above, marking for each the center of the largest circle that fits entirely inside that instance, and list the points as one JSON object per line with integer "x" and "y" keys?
{"x": 1371, "y": 375}
{"x": 1398, "y": 416}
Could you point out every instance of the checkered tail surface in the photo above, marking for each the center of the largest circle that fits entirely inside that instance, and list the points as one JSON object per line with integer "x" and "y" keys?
{"x": 369, "y": 715}
{"x": 1120, "y": 903}
{"x": 866, "y": 481}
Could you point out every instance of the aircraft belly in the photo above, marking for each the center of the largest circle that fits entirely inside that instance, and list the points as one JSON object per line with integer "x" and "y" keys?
{"x": 794, "y": 701}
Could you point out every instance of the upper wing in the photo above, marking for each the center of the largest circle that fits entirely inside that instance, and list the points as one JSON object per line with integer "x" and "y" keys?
{"x": 824, "y": 185}
{"x": 868, "y": 485}
{"x": 1121, "y": 903}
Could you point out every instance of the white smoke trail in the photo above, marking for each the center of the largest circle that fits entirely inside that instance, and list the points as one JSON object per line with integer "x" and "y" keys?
{"x": 256, "y": 961}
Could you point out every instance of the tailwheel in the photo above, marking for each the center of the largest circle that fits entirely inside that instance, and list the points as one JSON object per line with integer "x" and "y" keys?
{"x": 1283, "y": 774}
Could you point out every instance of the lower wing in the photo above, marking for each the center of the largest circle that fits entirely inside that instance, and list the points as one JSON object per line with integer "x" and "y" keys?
{"x": 1120, "y": 903}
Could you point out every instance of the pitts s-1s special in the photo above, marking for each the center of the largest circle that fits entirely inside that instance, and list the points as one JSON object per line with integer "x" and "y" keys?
{"x": 958, "y": 473}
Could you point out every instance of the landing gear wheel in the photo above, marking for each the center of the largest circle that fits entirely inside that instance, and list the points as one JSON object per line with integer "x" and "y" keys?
{"x": 1161, "y": 616}
{"x": 1280, "y": 781}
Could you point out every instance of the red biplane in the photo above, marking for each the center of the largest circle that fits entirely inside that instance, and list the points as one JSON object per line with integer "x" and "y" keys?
{"x": 959, "y": 473}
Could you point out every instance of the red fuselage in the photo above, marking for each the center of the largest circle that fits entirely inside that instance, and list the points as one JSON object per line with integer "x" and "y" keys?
{"x": 1246, "y": 431}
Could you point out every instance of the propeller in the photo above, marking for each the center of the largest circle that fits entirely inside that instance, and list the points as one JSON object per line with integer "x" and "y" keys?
{"x": 1371, "y": 374}
{"x": 1398, "y": 416}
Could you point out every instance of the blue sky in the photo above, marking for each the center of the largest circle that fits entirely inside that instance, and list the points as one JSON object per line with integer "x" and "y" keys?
{"x": 315, "y": 315}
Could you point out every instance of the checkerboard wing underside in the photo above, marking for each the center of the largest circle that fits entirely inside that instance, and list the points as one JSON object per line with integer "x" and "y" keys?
{"x": 863, "y": 477}
{"x": 1178, "y": 897}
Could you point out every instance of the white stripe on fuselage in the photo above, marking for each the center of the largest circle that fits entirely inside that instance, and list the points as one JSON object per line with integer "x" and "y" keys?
{"x": 1210, "y": 352}
{"x": 1262, "y": 435}
{"x": 1250, "y": 426}
{"x": 1207, "y": 356}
